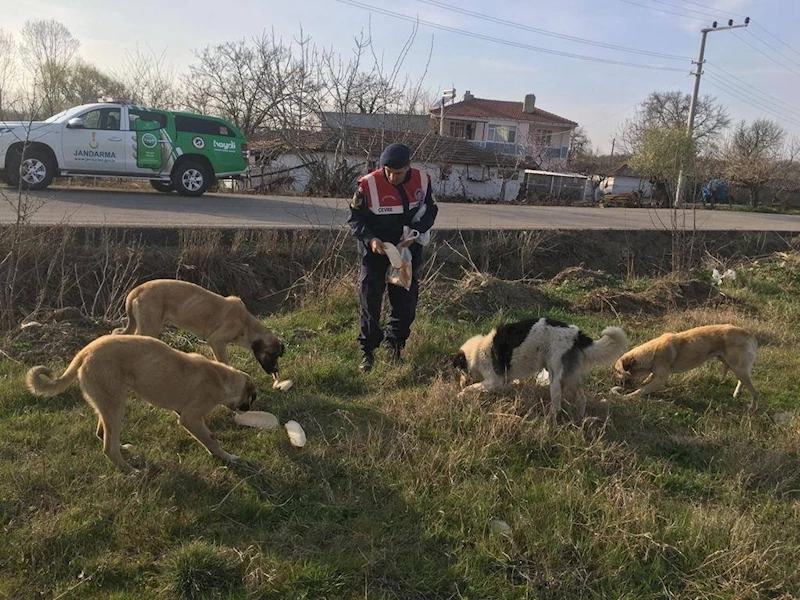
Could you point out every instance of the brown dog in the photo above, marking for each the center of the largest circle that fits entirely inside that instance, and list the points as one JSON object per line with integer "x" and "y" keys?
{"x": 189, "y": 384}
{"x": 678, "y": 352}
{"x": 219, "y": 320}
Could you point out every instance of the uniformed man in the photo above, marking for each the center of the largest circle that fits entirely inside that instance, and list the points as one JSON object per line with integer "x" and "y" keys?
{"x": 391, "y": 197}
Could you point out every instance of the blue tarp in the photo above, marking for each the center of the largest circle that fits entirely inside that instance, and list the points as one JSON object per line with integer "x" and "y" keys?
{"x": 716, "y": 190}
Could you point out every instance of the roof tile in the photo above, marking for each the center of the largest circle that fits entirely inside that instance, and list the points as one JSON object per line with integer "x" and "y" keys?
{"x": 501, "y": 109}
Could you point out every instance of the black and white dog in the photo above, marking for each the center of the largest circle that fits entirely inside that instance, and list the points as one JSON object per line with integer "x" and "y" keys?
{"x": 519, "y": 350}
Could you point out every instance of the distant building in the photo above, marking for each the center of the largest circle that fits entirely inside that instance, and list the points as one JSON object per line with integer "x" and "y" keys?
{"x": 458, "y": 169}
{"x": 515, "y": 128}
{"x": 624, "y": 180}
{"x": 375, "y": 121}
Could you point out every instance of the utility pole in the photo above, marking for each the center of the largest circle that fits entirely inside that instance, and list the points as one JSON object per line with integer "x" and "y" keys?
{"x": 679, "y": 192}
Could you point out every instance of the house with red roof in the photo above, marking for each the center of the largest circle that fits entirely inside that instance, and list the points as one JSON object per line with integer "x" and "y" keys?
{"x": 507, "y": 127}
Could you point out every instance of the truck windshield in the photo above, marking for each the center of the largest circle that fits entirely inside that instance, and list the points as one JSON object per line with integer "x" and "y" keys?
{"x": 63, "y": 115}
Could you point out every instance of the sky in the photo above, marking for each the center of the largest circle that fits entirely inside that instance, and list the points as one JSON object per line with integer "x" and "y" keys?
{"x": 754, "y": 72}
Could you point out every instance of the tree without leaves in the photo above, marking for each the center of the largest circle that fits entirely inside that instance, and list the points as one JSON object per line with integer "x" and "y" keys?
{"x": 347, "y": 87}
{"x": 361, "y": 85}
{"x": 580, "y": 146}
{"x": 8, "y": 56}
{"x": 148, "y": 79}
{"x": 85, "y": 83}
{"x": 358, "y": 84}
{"x": 671, "y": 110}
{"x": 48, "y": 50}
{"x": 244, "y": 82}
{"x": 757, "y": 154}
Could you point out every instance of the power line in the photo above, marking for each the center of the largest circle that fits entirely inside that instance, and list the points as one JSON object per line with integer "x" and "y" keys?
{"x": 510, "y": 43}
{"x": 725, "y": 87}
{"x": 731, "y": 94}
{"x": 789, "y": 107}
{"x": 669, "y": 12}
{"x": 770, "y": 46}
{"x": 711, "y": 8}
{"x": 768, "y": 32}
{"x": 762, "y": 53}
{"x": 715, "y": 15}
{"x": 555, "y": 34}
{"x": 752, "y": 22}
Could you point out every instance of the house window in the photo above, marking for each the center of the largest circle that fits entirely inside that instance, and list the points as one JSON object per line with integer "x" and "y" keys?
{"x": 544, "y": 137}
{"x": 501, "y": 133}
{"x": 460, "y": 129}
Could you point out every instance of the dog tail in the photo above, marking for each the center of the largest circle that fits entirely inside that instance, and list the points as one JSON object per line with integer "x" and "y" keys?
{"x": 611, "y": 345}
{"x": 130, "y": 310}
{"x": 41, "y": 381}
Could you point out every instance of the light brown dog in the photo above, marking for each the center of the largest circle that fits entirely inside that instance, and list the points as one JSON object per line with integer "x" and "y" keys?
{"x": 189, "y": 384}
{"x": 218, "y": 320}
{"x": 678, "y": 352}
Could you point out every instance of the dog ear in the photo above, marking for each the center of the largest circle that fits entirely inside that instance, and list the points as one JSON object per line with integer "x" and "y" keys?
{"x": 281, "y": 348}
{"x": 460, "y": 361}
{"x": 629, "y": 363}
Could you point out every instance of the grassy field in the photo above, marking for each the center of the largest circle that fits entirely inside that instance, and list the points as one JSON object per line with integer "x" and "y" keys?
{"x": 405, "y": 491}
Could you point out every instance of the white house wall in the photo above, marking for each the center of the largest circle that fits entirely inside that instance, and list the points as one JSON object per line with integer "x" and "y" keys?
{"x": 460, "y": 182}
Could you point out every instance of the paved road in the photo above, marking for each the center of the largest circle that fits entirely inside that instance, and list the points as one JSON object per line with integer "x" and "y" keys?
{"x": 144, "y": 209}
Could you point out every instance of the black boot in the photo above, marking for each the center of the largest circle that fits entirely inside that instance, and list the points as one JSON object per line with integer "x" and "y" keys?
{"x": 396, "y": 353}
{"x": 367, "y": 362}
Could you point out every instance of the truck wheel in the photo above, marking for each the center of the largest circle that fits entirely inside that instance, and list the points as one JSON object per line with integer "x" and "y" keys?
{"x": 33, "y": 171}
{"x": 161, "y": 186}
{"x": 190, "y": 179}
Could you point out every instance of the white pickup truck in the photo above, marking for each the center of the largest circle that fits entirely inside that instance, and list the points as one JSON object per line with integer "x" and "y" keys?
{"x": 177, "y": 151}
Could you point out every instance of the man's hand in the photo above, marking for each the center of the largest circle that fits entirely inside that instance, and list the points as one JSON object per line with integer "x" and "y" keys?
{"x": 376, "y": 246}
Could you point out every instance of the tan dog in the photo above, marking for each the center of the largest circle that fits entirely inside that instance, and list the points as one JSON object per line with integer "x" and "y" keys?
{"x": 219, "y": 320}
{"x": 678, "y": 352}
{"x": 189, "y": 384}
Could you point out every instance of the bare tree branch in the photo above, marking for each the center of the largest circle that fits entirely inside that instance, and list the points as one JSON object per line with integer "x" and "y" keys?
{"x": 48, "y": 50}
{"x": 671, "y": 110}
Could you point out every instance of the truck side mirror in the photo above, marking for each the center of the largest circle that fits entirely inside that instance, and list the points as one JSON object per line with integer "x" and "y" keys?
{"x": 75, "y": 123}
